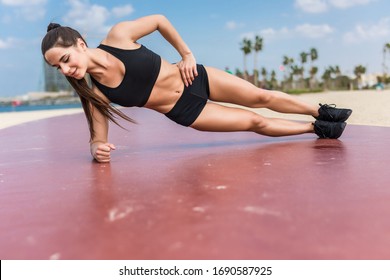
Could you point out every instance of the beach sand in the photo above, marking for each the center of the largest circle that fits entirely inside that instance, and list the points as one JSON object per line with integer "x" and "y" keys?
{"x": 370, "y": 107}
{"x": 15, "y": 118}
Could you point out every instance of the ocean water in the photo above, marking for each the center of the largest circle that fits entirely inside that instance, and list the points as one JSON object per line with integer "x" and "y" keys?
{"x": 22, "y": 108}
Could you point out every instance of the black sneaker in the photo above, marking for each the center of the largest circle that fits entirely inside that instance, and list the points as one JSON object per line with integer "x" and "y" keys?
{"x": 331, "y": 114}
{"x": 332, "y": 130}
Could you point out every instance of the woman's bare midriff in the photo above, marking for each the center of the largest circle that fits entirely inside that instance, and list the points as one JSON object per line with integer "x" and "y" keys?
{"x": 167, "y": 89}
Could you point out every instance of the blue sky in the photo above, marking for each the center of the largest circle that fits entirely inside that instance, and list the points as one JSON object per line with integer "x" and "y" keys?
{"x": 344, "y": 32}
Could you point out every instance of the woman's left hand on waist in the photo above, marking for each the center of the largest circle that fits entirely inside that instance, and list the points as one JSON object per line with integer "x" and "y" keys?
{"x": 187, "y": 67}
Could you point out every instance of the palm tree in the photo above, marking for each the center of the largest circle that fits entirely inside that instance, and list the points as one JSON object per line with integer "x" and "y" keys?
{"x": 313, "y": 56}
{"x": 326, "y": 77}
{"x": 264, "y": 74}
{"x": 313, "y": 72}
{"x": 287, "y": 62}
{"x": 359, "y": 71}
{"x": 273, "y": 80}
{"x": 296, "y": 71}
{"x": 246, "y": 47}
{"x": 303, "y": 56}
{"x": 386, "y": 48}
{"x": 257, "y": 47}
{"x": 337, "y": 72}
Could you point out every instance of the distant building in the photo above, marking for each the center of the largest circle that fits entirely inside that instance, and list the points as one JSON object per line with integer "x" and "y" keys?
{"x": 54, "y": 80}
{"x": 38, "y": 96}
{"x": 369, "y": 80}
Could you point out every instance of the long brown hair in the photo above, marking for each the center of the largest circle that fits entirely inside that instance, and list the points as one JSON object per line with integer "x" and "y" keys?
{"x": 62, "y": 36}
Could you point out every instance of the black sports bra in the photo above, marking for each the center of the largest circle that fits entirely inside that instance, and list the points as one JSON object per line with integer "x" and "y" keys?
{"x": 142, "y": 67}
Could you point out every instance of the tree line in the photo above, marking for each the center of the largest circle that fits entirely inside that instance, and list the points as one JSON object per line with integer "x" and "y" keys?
{"x": 302, "y": 75}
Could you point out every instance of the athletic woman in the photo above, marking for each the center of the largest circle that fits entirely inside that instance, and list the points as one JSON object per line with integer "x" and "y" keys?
{"x": 126, "y": 73}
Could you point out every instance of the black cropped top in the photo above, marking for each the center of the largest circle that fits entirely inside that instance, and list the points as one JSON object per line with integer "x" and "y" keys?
{"x": 142, "y": 67}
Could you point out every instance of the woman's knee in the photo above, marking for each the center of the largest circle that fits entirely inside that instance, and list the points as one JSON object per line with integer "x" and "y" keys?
{"x": 261, "y": 98}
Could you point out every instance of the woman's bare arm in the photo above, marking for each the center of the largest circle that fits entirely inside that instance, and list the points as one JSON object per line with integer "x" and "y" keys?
{"x": 99, "y": 145}
{"x": 124, "y": 31}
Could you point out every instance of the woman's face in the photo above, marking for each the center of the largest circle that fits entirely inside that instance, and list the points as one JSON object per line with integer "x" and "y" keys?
{"x": 71, "y": 61}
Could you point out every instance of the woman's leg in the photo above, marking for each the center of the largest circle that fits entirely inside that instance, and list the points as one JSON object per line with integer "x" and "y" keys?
{"x": 215, "y": 117}
{"x": 225, "y": 87}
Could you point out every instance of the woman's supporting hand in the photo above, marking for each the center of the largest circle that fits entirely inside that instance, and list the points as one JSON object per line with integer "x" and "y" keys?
{"x": 187, "y": 67}
{"x": 102, "y": 151}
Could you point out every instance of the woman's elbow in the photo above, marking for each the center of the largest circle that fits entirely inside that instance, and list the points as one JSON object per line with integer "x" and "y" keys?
{"x": 158, "y": 20}
{"x": 160, "y": 17}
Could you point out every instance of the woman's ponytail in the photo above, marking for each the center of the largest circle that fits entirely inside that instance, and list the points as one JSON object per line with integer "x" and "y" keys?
{"x": 88, "y": 99}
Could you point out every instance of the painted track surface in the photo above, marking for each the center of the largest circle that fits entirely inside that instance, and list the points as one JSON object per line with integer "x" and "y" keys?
{"x": 175, "y": 193}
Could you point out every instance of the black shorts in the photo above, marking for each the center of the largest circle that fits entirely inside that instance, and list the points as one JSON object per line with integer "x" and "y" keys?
{"x": 191, "y": 103}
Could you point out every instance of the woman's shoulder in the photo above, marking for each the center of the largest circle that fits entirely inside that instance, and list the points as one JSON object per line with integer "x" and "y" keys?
{"x": 119, "y": 28}
{"x": 118, "y": 37}
{"x": 118, "y": 31}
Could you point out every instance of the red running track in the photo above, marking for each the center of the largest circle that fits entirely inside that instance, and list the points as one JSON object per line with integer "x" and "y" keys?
{"x": 175, "y": 193}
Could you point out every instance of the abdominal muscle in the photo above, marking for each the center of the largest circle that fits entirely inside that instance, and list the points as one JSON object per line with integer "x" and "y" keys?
{"x": 167, "y": 89}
